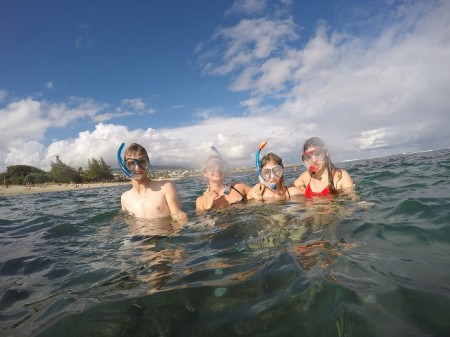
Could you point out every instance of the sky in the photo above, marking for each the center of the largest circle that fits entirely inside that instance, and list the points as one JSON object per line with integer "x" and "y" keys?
{"x": 78, "y": 78}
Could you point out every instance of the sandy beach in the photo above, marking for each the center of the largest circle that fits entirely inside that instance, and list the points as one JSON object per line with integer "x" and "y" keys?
{"x": 21, "y": 189}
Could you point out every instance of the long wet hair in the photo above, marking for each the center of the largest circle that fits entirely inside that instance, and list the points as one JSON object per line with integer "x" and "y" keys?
{"x": 272, "y": 157}
{"x": 332, "y": 169}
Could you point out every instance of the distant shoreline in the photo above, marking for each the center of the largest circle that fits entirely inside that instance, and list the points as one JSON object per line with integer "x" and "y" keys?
{"x": 13, "y": 190}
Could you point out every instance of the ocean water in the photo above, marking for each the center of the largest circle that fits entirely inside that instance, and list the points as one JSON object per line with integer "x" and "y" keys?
{"x": 72, "y": 265}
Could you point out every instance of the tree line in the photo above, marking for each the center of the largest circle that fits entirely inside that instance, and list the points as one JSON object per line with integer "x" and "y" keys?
{"x": 97, "y": 171}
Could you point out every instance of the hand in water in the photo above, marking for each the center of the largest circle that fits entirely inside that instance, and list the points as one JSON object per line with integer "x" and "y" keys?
{"x": 258, "y": 190}
{"x": 211, "y": 198}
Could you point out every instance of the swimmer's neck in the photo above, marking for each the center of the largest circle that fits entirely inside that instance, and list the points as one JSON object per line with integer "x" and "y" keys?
{"x": 216, "y": 186}
{"x": 142, "y": 183}
{"x": 280, "y": 189}
{"x": 320, "y": 174}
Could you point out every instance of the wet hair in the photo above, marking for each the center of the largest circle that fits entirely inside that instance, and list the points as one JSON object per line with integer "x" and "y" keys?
{"x": 136, "y": 150}
{"x": 314, "y": 142}
{"x": 214, "y": 157}
{"x": 332, "y": 169}
{"x": 272, "y": 158}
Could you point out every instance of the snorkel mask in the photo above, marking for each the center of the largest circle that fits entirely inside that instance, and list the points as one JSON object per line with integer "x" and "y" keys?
{"x": 227, "y": 185}
{"x": 258, "y": 167}
{"x": 126, "y": 170}
{"x": 309, "y": 157}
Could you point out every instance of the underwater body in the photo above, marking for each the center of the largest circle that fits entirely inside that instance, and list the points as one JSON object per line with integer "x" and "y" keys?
{"x": 71, "y": 264}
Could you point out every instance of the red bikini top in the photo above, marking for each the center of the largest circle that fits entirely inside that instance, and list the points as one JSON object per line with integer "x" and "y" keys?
{"x": 309, "y": 193}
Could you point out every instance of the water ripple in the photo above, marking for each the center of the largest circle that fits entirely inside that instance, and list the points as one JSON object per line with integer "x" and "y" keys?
{"x": 71, "y": 264}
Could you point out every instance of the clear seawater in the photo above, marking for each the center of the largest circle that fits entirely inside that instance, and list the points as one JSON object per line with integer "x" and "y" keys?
{"x": 72, "y": 265}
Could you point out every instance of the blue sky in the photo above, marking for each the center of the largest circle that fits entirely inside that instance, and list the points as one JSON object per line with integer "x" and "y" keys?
{"x": 77, "y": 78}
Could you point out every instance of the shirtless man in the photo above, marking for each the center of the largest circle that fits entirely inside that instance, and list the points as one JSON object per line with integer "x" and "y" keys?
{"x": 148, "y": 198}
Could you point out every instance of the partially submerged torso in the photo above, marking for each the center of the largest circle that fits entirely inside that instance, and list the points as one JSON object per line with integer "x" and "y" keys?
{"x": 309, "y": 193}
{"x": 234, "y": 196}
{"x": 148, "y": 202}
{"x": 261, "y": 192}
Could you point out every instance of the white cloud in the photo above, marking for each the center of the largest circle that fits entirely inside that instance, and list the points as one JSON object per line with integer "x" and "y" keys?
{"x": 257, "y": 7}
{"x": 248, "y": 7}
{"x": 373, "y": 139}
{"x": 137, "y": 103}
{"x": 3, "y": 95}
{"x": 211, "y": 112}
{"x": 22, "y": 120}
{"x": 24, "y": 152}
{"x": 102, "y": 142}
{"x": 237, "y": 138}
{"x": 250, "y": 41}
{"x": 25, "y": 123}
{"x": 84, "y": 39}
{"x": 360, "y": 91}
{"x": 387, "y": 90}
{"x": 128, "y": 107}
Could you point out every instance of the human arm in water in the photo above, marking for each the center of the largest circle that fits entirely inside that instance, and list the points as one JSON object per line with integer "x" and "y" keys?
{"x": 206, "y": 201}
{"x": 172, "y": 201}
{"x": 211, "y": 199}
{"x": 256, "y": 192}
{"x": 302, "y": 181}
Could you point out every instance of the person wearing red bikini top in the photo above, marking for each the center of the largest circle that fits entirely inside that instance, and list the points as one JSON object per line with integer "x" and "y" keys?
{"x": 322, "y": 178}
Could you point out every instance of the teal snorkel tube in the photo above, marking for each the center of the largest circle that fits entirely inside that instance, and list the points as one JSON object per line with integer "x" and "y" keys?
{"x": 226, "y": 189}
{"x": 127, "y": 172}
{"x": 258, "y": 167}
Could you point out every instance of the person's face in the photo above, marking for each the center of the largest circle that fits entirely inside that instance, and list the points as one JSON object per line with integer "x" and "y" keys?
{"x": 314, "y": 156}
{"x": 215, "y": 169}
{"x": 137, "y": 164}
{"x": 271, "y": 172}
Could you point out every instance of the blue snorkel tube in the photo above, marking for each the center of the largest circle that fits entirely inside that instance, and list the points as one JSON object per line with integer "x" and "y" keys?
{"x": 258, "y": 167}
{"x": 226, "y": 189}
{"x": 127, "y": 172}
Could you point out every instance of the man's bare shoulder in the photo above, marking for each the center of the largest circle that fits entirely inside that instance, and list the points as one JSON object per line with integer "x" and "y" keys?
{"x": 167, "y": 182}
{"x": 162, "y": 184}
{"x": 166, "y": 187}
{"x": 125, "y": 194}
{"x": 125, "y": 199}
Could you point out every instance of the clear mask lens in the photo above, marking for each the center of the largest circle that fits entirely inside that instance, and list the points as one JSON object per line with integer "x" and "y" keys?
{"x": 266, "y": 173}
{"x": 216, "y": 166}
{"x": 142, "y": 162}
{"x": 311, "y": 156}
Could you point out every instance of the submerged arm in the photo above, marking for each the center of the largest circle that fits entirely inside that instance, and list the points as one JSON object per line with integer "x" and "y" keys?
{"x": 173, "y": 203}
{"x": 300, "y": 181}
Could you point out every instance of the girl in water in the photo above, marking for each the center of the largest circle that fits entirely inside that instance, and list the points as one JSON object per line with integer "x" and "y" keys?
{"x": 271, "y": 180}
{"x": 322, "y": 178}
{"x": 219, "y": 193}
